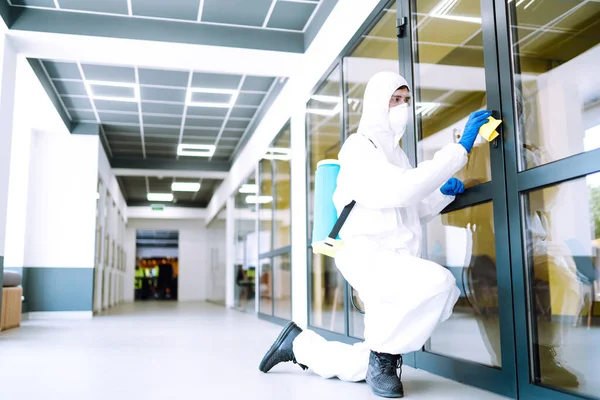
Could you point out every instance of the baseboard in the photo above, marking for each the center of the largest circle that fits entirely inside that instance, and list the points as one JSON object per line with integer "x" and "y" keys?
{"x": 48, "y": 315}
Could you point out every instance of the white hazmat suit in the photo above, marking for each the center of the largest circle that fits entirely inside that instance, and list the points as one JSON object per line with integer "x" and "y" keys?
{"x": 405, "y": 297}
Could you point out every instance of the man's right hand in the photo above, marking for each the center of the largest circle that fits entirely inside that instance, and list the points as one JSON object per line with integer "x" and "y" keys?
{"x": 476, "y": 121}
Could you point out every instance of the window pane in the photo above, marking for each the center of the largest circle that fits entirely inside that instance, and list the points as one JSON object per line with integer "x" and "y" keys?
{"x": 281, "y": 168}
{"x": 266, "y": 286}
{"x": 450, "y": 80}
{"x": 463, "y": 241}
{"x": 327, "y": 297}
{"x": 324, "y": 132}
{"x": 562, "y": 225}
{"x": 556, "y": 54}
{"x": 264, "y": 203}
{"x": 376, "y": 51}
{"x": 246, "y": 246}
{"x": 282, "y": 289}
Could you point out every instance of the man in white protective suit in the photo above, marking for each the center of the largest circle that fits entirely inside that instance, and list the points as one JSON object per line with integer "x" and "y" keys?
{"x": 405, "y": 297}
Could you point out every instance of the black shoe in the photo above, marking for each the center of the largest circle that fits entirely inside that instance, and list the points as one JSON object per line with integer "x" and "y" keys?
{"x": 281, "y": 350}
{"x": 382, "y": 375}
{"x": 553, "y": 373}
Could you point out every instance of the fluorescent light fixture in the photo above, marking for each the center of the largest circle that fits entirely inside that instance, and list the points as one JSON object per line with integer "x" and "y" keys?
{"x": 196, "y": 150}
{"x": 248, "y": 188}
{"x": 278, "y": 153}
{"x": 136, "y": 90}
{"x": 232, "y": 99}
{"x": 326, "y": 99}
{"x": 445, "y": 6}
{"x": 159, "y": 196}
{"x": 425, "y": 108}
{"x": 473, "y": 20}
{"x": 259, "y": 199}
{"x": 324, "y": 111}
{"x": 185, "y": 186}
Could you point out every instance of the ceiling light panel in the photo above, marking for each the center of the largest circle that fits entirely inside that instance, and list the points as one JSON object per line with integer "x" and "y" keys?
{"x": 227, "y": 101}
{"x": 185, "y": 186}
{"x": 95, "y": 90}
{"x": 196, "y": 150}
{"x": 159, "y": 196}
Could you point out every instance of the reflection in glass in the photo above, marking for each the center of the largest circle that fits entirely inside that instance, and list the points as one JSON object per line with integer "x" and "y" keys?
{"x": 327, "y": 296}
{"x": 323, "y": 136}
{"x": 281, "y": 156}
{"x": 562, "y": 226}
{"x": 449, "y": 79}
{"x": 266, "y": 286}
{"x": 264, "y": 203}
{"x": 463, "y": 241}
{"x": 556, "y": 52}
{"x": 246, "y": 246}
{"x": 282, "y": 290}
{"x": 376, "y": 51}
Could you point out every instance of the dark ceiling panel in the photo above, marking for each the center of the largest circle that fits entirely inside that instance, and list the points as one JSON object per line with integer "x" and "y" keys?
{"x": 82, "y": 103}
{"x": 162, "y": 108}
{"x": 203, "y": 123}
{"x": 243, "y": 112}
{"x": 108, "y": 73}
{"x": 215, "y": 81}
{"x": 249, "y": 99}
{"x": 114, "y": 118}
{"x": 163, "y": 78}
{"x": 175, "y": 9}
{"x": 237, "y": 124}
{"x": 63, "y": 70}
{"x": 207, "y": 112}
{"x": 82, "y": 115}
{"x": 162, "y": 120}
{"x": 34, "y": 3}
{"x": 163, "y": 131}
{"x": 238, "y": 12}
{"x": 163, "y": 95}
{"x": 291, "y": 15}
{"x": 108, "y": 105}
{"x": 257, "y": 83}
{"x": 70, "y": 87}
{"x": 105, "y": 6}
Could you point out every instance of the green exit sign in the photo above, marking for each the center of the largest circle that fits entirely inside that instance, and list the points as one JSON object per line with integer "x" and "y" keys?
{"x": 158, "y": 207}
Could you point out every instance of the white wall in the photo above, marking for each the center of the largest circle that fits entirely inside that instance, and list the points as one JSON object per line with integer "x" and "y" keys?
{"x": 195, "y": 244}
{"x": 62, "y": 201}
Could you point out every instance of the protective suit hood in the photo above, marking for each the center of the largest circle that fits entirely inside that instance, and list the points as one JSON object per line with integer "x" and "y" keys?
{"x": 375, "y": 122}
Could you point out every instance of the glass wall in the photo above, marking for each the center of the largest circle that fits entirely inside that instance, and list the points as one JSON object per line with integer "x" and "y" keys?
{"x": 246, "y": 245}
{"x": 274, "y": 203}
{"x": 555, "y": 55}
{"x": 324, "y": 133}
{"x": 376, "y": 50}
{"x": 523, "y": 242}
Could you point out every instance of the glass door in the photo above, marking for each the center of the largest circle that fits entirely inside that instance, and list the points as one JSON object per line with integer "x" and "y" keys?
{"x": 448, "y": 52}
{"x": 549, "y": 52}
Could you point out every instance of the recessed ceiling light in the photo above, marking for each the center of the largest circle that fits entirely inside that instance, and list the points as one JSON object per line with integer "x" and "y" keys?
{"x": 196, "y": 150}
{"x": 259, "y": 199}
{"x": 136, "y": 90}
{"x": 185, "y": 186}
{"x": 159, "y": 196}
{"x": 248, "y": 188}
{"x": 232, "y": 99}
{"x": 278, "y": 153}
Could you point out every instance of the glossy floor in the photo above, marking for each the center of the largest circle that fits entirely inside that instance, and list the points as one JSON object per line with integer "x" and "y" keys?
{"x": 172, "y": 351}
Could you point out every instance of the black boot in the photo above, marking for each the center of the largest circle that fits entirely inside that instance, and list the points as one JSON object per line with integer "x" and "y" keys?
{"x": 383, "y": 376}
{"x": 281, "y": 350}
{"x": 553, "y": 373}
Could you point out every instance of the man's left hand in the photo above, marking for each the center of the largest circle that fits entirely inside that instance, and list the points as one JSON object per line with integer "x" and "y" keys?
{"x": 453, "y": 187}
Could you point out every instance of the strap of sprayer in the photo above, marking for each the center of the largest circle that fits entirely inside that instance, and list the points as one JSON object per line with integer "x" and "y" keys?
{"x": 345, "y": 212}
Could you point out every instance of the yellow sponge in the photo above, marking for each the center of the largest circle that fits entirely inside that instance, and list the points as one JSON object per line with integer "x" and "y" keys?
{"x": 488, "y": 131}
{"x": 327, "y": 247}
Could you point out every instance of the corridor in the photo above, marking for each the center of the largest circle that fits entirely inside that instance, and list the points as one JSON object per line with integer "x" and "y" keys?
{"x": 171, "y": 351}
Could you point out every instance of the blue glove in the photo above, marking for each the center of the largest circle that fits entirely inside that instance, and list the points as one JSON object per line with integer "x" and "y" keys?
{"x": 452, "y": 187}
{"x": 476, "y": 121}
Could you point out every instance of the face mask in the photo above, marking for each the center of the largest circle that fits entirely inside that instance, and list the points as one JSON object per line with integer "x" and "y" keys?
{"x": 398, "y": 117}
